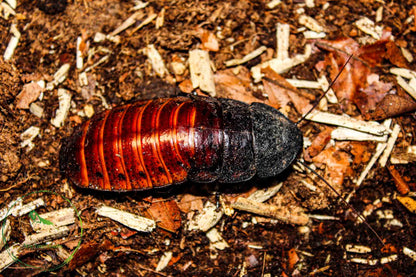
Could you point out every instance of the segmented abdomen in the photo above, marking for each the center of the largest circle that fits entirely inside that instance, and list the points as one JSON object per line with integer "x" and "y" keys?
{"x": 146, "y": 144}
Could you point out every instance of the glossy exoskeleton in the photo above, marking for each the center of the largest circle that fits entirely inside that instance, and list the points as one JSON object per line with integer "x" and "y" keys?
{"x": 161, "y": 142}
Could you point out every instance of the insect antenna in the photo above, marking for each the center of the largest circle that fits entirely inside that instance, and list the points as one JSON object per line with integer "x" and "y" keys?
{"x": 326, "y": 91}
{"x": 357, "y": 213}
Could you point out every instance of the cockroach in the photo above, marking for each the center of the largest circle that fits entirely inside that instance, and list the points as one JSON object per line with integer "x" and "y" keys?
{"x": 157, "y": 143}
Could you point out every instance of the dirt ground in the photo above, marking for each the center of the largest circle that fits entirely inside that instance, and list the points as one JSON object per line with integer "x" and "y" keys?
{"x": 106, "y": 67}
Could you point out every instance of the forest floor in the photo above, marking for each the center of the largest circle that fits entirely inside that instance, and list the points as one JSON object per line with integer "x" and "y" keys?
{"x": 62, "y": 62}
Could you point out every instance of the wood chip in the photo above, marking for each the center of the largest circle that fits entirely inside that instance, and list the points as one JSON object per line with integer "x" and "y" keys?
{"x": 206, "y": 219}
{"x": 8, "y": 256}
{"x": 6, "y": 11}
{"x": 390, "y": 145}
{"x": 79, "y": 58}
{"x": 379, "y": 14}
{"x": 314, "y": 35}
{"x": 164, "y": 261}
{"x": 247, "y": 57}
{"x": 282, "y": 37}
{"x": 130, "y": 220}
{"x": 64, "y": 105}
{"x": 409, "y": 252}
{"x": 148, "y": 19}
{"x": 407, "y": 54}
{"x": 59, "y": 76}
{"x": 368, "y": 26}
{"x": 330, "y": 94}
{"x": 36, "y": 109}
{"x": 28, "y": 136}
{"x": 217, "y": 241}
{"x": 284, "y": 214}
{"x": 355, "y": 248}
{"x": 310, "y": 23}
{"x": 5, "y": 231}
{"x": 57, "y": 218}
{"x": 341, "y": 133}
{"x": 404, "y": 157}
{"x": 156, "y": 60}
{"x": 45, "y": 236}
{"x": 281, "y": 66}
{"x": 410, "y": 87}
{"x": 371, "y": 127}
{"x": 379, "y": 150}
{"x": 12, "y": 3}
{"x": 263, "y": 195}
{"x": 273, "y": 4}
{"x": 127, "y": 23}
{"x": 304, "y": 83}
{"x": 365, "y": 261}
{"x": 201, "y": 73}
{"x": 14, "y": 41}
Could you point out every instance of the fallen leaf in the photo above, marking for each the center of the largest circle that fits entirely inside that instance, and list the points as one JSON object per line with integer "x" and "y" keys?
{"x": 399, "y": 181}
{"x": 186, "y": 86}
{"x": 367, "y": 98}
{"x": 166, "y": 214}
{"x": 281, "y": 91}
{"x": 229, "y": 84}
{"x": 360, "y": 152}
{"x": 318, "y": 144}
{"x": 337, "y": 165}
{"x": 392, "y": 105}
{"x": 208, "y": 39}
{"x": 293, "y": 258}
{"x": 408, "y": 202}
{"x": 190, "y": 202}
{"x": 357, "y": 82}
{"x": 29, "y": 94}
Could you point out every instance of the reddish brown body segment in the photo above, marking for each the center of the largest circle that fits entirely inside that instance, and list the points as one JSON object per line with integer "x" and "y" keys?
{"x": 143, "y": 145}
{"x": 155, "y": 143}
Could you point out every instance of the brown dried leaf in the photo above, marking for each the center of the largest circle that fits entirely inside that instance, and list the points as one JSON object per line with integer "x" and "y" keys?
{"x": 337, "y": 165}
{"x": 281, "y": 90}
{"x": 29, "y": 94}
{"x": 367, "y": 98}
{"x": 190, "y": 202}
{"x": 392, "y": 105}
{"x": 166, "y": 214}
{"x": 234, "y": 86}
{"x": 355, "y": 83}
{"x": 186, "y": 86}
{"x": 399, "y": 181}
{"x": 293, "y": 258}
{"x": 359, "y": 151}
{"x": 208, "y": 39}
{"x": 318, "y": 144}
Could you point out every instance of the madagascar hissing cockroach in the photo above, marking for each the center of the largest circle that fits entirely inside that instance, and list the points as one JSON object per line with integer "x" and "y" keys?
{"x": 156, "y": 143}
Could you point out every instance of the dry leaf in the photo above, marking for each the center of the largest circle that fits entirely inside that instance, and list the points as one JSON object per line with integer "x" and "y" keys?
{"x": 392, "y": 105}
{"x": 166, "y": 214}
{"x": 367, "y": 98}
{"x": 190, "y": 202}
{"x": 282, "y": 90}
{"x": 400, "y": 183}
{"x": 208, "y": 39}
{"x": 318, "y": 144}
{"x": 337, "y": 165}
{"x": 29, "y": 94}
{"x": 293, "y": 258}
{"x": 234, "y": 86}
{"x": 360, "y": 152}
